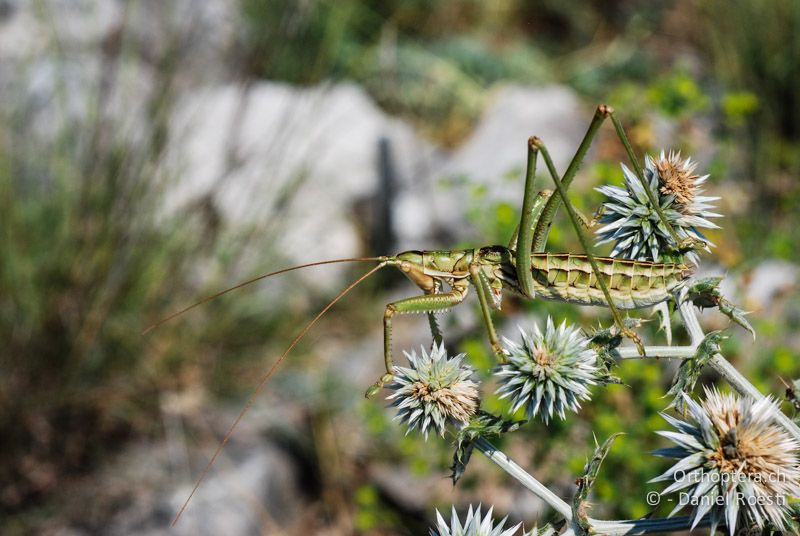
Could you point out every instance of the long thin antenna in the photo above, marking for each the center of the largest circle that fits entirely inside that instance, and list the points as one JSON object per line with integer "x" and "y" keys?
{"x": 245, "y": 283}
{"x": 265, "y": 379}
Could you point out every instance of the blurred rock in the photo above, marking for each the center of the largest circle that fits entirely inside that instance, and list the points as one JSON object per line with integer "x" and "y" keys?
{"x": 238, "y": 498}
{"x": 77, "y": 94}
{"x": 769, "y": 281}
{"x": 499, "y": 143}
{"x": 197, "y": 35}
{"x": 293, "y": 162}
{"x": 408, "y": 490}
{"x": 149, "y": 28}
{"x": 29, "y": 29}
{"x": 256, "y": 486}
{"x": 64, "y": 63}
{"x": 763, "y": 291}
{"x": 496, "y": 153}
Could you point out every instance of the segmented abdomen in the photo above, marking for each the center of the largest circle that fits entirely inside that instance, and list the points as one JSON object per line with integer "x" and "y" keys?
{"x": 632, "y": 284}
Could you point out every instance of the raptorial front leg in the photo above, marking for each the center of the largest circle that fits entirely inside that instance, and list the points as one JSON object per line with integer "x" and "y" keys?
{"x": 417, "y": 304}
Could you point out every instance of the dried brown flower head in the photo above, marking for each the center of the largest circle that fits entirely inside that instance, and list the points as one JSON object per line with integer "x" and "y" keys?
{"x": 677, "y": 177}
{"x": 735, "y": 463}
{"x": 435, "y": 389}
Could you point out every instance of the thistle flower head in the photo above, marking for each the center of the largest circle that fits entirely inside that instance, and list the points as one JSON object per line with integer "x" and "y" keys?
{"x": 633, "y": 224}
{"x": 677, "y": 177}
{"x": 735, "y": 463}
{"x": 433, "y": 391}
{"x": 474, "y": 525}
{"x": 549, "y": 372}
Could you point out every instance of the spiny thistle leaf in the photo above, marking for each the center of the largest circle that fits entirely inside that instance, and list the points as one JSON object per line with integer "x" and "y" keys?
{"x": 605, "y": 341}
{"x": 611, "y": 336}
{"x": 689, "y": 372}
{"x": 737, "y": 315}
{"x": 792, "y": 396}
{"x": 586, "y": 481}
{"x": 705, "y": 293}
{"x": 664, "y": 322}
{"x": 484, "y": 425}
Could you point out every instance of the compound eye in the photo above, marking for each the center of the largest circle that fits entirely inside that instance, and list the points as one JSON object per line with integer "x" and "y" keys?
{"x": 405, "y": 266}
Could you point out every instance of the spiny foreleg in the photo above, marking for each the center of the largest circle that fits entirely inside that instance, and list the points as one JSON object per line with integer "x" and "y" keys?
{"x": 428, "y": 303}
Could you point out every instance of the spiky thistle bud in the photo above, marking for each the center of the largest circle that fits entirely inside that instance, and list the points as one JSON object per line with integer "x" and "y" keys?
{"x": 433, "y": 391}
{"x": 477, "y": 525}
{"x": 633, "y": 224}
{"x": 735, "y": 463}
{"x": 549, "y": 372}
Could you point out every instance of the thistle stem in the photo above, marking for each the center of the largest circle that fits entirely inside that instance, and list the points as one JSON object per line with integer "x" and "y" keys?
{"x": 524, "y": 478}
{"x": 611, "y": 528}
{"x": 657, "y": 352}
{"x": 735, "y": 378}
{"x": 643, "y": 526}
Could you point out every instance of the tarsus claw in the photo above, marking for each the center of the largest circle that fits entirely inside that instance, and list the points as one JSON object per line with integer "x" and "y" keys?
{"x": 632, "y": 335}
{"x": 378, "y": 385}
